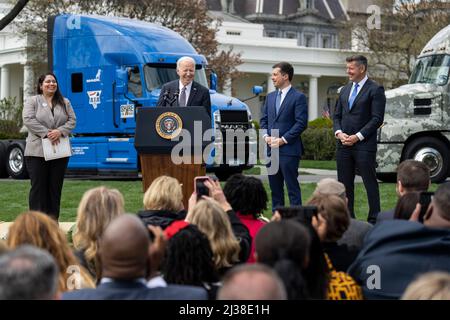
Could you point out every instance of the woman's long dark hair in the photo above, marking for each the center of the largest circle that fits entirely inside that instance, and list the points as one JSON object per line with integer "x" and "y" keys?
{"x": 285, "y": 246}
{"x": 57, "y": 97}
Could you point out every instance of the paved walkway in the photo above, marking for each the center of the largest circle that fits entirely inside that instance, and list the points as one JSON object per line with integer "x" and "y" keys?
{"x": 4, "y": 226}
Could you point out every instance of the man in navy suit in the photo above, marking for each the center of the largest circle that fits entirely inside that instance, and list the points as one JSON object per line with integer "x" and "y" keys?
{"x": 185, "y": 91}
{"x": 125, "y": 259}
{"x": 285, "y": 117}
{"x": 358, "y": 114}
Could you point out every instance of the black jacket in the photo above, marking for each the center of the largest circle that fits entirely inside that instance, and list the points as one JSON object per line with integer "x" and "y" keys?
{"x": 161, "y": 218}
{"x": 366, "y": 115}
{"x": 399, "y": 251}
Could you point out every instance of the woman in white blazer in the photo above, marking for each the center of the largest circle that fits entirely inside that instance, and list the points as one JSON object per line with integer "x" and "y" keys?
{"x": 46, "y": 115}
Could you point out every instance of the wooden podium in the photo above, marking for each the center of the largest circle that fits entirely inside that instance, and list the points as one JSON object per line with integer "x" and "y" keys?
{"x": 155, "y": 128}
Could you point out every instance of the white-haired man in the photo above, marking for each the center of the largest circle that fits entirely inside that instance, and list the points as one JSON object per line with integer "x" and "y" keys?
{"x": 185, "y": 92}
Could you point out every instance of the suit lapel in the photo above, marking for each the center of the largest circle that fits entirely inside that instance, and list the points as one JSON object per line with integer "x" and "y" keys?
{"x": 361, "y": 92}
{"x": 50, "y": 118}
{"x": 285, "y": 100}
{"x": 192, "y": 93}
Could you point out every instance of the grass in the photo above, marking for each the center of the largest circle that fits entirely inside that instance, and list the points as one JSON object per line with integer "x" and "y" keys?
{"x": 318, "y": 164}
{"x": 14, "y": 196}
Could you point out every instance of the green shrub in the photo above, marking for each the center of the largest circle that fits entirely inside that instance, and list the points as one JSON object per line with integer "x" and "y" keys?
{"x": 318, "y": 140}
{"x": 10, "y": 119}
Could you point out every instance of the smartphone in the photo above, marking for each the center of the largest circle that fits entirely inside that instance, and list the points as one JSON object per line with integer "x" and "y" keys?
{"x": 199, "y": 186}
{"x": 425, "y": 199}
{"x": 302, "y": 213}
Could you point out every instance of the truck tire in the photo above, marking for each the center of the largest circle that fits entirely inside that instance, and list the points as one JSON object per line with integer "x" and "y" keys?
{"x": 434, "y": 153}
{"x": 15, "y": 161}
{"x": 3, "y": 151}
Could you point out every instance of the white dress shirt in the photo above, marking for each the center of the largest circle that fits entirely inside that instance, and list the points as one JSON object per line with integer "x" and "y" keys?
{"x": 188, "y": 91}
{"x": 360, "y": 85}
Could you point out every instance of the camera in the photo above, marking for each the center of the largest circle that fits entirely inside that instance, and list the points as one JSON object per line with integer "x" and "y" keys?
{"x": 425, "y": 200}
{"x": 199, "y": 186}
{"x": 301, "y": 213}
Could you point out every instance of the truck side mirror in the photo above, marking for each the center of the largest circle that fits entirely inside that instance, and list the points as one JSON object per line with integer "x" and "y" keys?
{"x": 122, "y": 83}
{"x": 213, "y": 81}
{"x": 257, "y": 90}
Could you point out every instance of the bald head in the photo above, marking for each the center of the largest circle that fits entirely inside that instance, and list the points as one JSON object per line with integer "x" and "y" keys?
{"x": 124, "y": 248}
{"x": 252, "y": 282}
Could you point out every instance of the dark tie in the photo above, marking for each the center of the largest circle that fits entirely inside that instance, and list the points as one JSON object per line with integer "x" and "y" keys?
{"x": 278, "y": 101}
{"x": 182, "y": 102}
{"x": 353, "y": 96}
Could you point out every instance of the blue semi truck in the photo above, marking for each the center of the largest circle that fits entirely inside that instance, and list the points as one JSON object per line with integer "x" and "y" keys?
{"x": 109, "y": 66}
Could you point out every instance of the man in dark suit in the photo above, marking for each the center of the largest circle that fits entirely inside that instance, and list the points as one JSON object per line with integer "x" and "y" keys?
{"x": 124, "y": 254}
{"x": 359, "y": 113}
{"x": 285, "y": 117}
{"x": 185, "y": 91}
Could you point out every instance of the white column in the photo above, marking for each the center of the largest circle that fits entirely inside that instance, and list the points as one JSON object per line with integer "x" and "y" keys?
{"x": 313, "y": 106}
{"x": 4, "y": 89}
{"x": 227, "y": 87}
{"x": 28, "y": 81}
{"x": 270, "y": 86}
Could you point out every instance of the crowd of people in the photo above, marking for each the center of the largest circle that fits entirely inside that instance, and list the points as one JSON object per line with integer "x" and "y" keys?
{"x": 222, "y": 247}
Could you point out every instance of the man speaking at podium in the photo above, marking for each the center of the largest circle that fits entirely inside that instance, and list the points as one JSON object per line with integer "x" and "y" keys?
{"x": 185, "y": 91}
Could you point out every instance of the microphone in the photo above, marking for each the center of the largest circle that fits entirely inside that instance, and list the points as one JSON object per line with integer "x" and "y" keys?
{"x": 175, "y": 97}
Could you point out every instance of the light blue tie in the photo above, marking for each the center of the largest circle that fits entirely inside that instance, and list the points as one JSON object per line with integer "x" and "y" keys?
{"x": 353, "y": 96}
{"x": 278, "y": 101}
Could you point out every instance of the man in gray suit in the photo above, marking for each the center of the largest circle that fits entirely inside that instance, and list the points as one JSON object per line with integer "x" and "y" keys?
{"x": 124, "y": 253}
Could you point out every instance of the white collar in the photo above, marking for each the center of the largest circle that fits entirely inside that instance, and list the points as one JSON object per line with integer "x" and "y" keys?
{"x": 110, "y": 280}
{"x": 188, "y": 87}
{"x": 362, "y": 82}
{"x": 286, "y": 90}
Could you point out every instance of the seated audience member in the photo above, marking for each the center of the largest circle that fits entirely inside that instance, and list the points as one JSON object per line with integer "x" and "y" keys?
{"x": 163, "y": 202}
{"x": 323, "y": 281}
{"x": 406, "y": 205}
{"x": 189, "y": 259}
{"x": 429, "y": 286}
{"x": 240, "y": 231}
{"x": 412, "y": 176}
{"x": 354, "y": 235}
{"x": 252, "y": 282}
{"x": 402, "y": 250}
{"x": 124, "y": 253}
{"x": 284, "y": 246}
{"x": 97, "y": 208}
{"x": 212, "y": 220}
{"x": 28, "y": 273}
{"x": 331, "y": 222}
{"x": 248, "y": 198}
{"x": 40, "y": 230}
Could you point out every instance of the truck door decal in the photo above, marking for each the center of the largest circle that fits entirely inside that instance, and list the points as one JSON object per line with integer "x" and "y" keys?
{"x": 94, "y": 98}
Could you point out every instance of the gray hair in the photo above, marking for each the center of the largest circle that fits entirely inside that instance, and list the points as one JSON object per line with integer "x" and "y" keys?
{"x": 28, "y": 273}
{"x": 185, "y": 58}
{"x": 252, "y": 282}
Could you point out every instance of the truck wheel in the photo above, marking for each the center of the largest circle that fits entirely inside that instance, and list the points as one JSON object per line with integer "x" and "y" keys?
{"x": 434, "y": 153}
{"x": 15, "y": 162}
{"x": 3, "y": 151}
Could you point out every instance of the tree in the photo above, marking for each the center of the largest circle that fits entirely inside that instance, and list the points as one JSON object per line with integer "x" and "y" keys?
{"x": 7, "y": 19}
{"x": 189, "y": 18}
{"x": 404, "y": 30}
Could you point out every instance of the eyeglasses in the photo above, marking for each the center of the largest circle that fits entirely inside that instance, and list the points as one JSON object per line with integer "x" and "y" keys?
{"x": 50, "y": 81}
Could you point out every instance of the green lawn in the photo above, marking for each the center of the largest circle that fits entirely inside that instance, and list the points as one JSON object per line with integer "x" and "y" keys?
{"x": 318, "y": 164}
{"x": 14, "y": 196}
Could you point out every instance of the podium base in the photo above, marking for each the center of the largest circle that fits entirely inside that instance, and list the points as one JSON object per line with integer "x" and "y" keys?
{"x": 156, "y": 165}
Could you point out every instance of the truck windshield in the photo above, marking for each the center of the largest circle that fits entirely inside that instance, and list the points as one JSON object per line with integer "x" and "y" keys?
{"x": 158, "y": 74}
{"x": 431, "y": 69}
